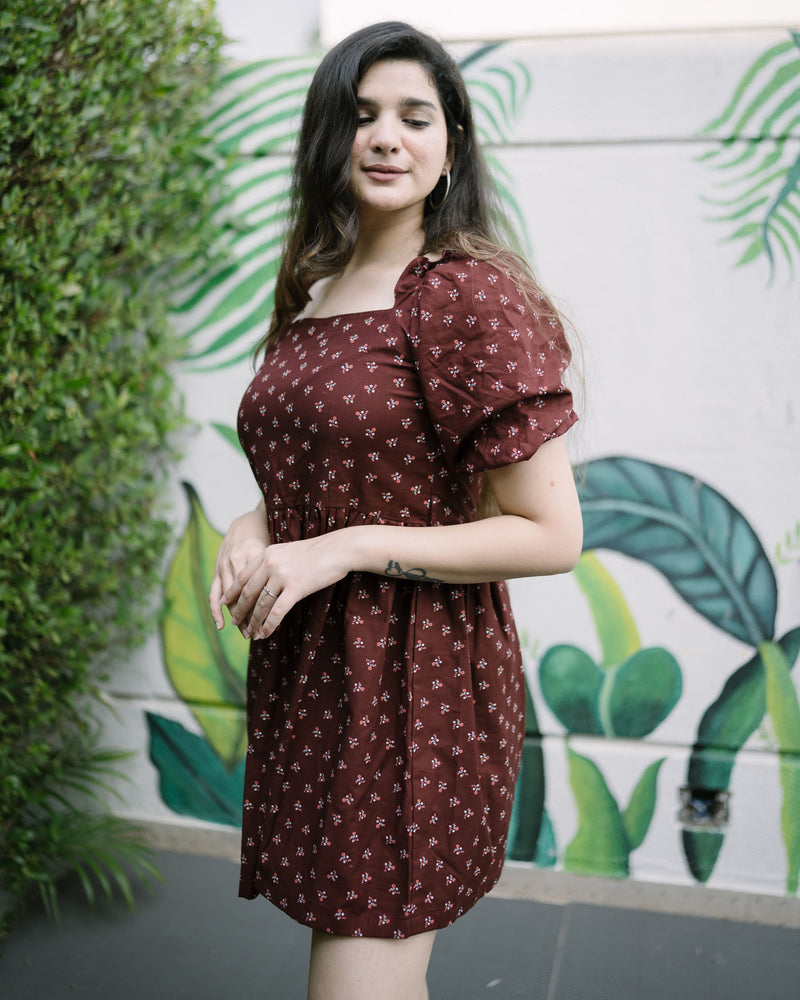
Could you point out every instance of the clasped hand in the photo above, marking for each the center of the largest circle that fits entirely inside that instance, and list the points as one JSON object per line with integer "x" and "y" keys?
{"x": 260, "y": 582}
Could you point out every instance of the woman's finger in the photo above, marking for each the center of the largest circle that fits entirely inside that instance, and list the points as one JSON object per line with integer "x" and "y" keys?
{"x": 280, "y": 607}
{"x": 261, "y": 609}
{"x": 214, "y": 596}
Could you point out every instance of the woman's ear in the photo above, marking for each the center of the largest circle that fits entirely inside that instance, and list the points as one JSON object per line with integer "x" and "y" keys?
{"x": 451, "y": 150}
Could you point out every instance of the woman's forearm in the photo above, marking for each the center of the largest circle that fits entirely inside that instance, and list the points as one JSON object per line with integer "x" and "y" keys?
{"x": 497, "y": 548}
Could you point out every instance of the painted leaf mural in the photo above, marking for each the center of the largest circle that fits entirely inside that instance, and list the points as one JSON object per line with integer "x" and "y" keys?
{"x": 606, "y": 835}
{"x": 192, "y": 778}
{"x": 627, "y": 695}
{"x": 631, "y": 691}
{"x": 207, "y": 668}
{"x": 784, "y": 714}
{"x": 689, "y": 532}
{"x": 527, "y": 813}
{"x": 757, "y": 165}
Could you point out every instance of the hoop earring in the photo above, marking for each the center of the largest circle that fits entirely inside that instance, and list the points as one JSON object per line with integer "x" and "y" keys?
{"x": 443, "y": 199}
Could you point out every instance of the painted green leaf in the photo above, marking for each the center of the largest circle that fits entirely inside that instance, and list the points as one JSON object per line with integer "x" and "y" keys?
{"x": 531, "y": 722}
{"x": 570, "y": 682}
{"x": 756, "y": 130}
{"x": 546, "y": 848}
{"x": 726, "y": 726}
{"x": 228, "y": 434}
{"x": 689, "y": 532}
{"x": 207, "y": 668}
{"x": 701, "y": 849}
{"x": 526, "y": 812}
{"x": 193, "y": 782}
{"x": 600, "y": 846}
{"x": 639, "y": 814}
{"x": 732, "y": 719}
{"x": 639, "y": 694}
{"x": 784, "y": 713}
{"x": 616, "y": 629}
{"x": 528, "y": 807}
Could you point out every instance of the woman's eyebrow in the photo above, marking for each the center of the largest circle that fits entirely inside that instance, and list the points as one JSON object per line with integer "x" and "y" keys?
{"x": 406, "y": 102}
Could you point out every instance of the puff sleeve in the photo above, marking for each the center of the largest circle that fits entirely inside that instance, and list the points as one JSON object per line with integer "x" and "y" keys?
{"x": 490, "y": 370}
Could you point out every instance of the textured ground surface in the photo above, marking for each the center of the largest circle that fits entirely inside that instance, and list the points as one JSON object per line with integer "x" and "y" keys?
{"x": 192, "y": 939}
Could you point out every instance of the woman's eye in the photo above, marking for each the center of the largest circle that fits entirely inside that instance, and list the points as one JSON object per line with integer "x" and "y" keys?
{"x": 416, "y": 123}
{"x": 364, "y": 120}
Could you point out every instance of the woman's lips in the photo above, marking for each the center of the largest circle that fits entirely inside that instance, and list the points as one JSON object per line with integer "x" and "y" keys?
{"x": 383, "y": 172}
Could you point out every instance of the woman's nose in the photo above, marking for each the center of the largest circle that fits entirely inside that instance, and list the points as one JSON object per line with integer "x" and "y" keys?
{"x": 384, "y": 137}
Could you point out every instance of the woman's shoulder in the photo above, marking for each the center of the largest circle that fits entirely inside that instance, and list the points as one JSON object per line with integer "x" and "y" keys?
{"x": 463, "y": 282}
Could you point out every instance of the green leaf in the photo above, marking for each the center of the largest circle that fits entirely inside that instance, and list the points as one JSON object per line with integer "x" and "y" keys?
{"x": 616, "y": 629}
{"x": 600, "y": 846}
{"x": 546, "y": 849}
{"x": 639, "y": 814}
{"x": 726, "y": 726}
{"x": 701, "y": 850}
{"x": 207, "y": 668}
{"x": 689, "y": 532}
{"x": 528, "y": 806}
{"x": 640, "y": 693}
{"x": 784, "y": 713}
{"x": 526, "y": 812}
{"x": 570, "y": 682}
{"x": 192, "y": 779}
{"x": 732, "y": 719}
{"x": 763, "y": 60}
{"x": 764, "y": 102}
{"x": 229, "y": 434}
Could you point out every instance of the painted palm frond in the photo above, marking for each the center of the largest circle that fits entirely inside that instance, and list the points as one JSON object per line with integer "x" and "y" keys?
{"x": 498, "y": 90}
{"x": 252, "y": 129}
{"x": 757, "y": 163}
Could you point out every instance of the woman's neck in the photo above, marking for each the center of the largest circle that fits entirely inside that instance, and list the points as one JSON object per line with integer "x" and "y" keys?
{"x": 390, "y": 242}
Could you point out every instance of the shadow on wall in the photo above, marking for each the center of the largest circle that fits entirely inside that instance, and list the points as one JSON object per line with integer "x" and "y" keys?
{"x": 682, "y": 527}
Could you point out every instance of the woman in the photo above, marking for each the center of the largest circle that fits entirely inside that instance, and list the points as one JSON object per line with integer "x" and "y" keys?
{"x": 411, "y": 366}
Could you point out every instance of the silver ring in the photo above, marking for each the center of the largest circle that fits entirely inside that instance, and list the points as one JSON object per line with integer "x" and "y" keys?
{"x": 269, "y": 593}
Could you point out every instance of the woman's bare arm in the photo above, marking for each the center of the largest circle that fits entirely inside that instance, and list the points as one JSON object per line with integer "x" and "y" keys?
{"x": 538, "y": 533}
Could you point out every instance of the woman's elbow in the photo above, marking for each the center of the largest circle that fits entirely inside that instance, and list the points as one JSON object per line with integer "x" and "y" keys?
{"x": 566, "y": 544}
{"x": 571, "y": 548}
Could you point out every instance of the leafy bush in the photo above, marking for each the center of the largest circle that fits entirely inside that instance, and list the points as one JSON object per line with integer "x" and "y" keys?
{"x": 106, "y": 194}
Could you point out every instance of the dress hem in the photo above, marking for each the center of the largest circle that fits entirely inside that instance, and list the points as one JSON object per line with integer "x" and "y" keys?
{"x": 368, "y": 923}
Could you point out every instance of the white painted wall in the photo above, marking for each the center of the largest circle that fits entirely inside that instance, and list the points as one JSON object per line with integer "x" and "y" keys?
{"x": 476, "y": 19}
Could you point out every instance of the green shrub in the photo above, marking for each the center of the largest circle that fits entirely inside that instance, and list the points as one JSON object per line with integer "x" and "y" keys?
{"x": 106, "y": 195}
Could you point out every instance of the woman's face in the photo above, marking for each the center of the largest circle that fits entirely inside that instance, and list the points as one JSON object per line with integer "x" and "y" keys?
{"x": 401, "y": 147}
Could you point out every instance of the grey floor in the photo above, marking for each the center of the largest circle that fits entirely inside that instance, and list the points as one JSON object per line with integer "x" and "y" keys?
{"x": 193, "y": 939}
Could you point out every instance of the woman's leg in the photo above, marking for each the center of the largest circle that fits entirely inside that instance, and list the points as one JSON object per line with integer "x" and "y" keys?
{"x": 352, "y": 968}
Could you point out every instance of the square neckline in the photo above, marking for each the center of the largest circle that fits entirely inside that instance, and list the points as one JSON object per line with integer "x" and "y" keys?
{"x": 415, "y": 265}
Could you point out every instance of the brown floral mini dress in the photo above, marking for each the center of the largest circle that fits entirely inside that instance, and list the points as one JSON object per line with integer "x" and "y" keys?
{"x": 385, "y": 715}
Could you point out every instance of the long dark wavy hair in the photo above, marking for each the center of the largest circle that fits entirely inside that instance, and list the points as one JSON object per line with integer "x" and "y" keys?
{"x": 323, "y": 226}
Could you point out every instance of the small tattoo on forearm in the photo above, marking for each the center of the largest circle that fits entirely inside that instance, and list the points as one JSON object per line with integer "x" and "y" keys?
{"x": 395, "y": 569}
